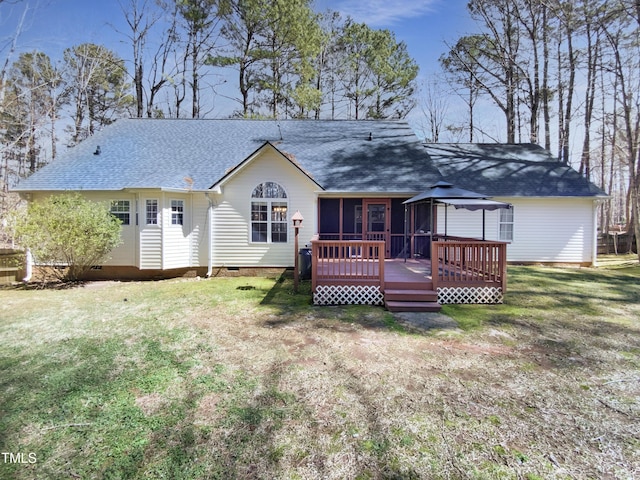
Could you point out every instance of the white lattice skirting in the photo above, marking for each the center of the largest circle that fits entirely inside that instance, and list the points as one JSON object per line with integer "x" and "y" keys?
{"x": 469, "y": 295}
{"x": 348, "y": 295}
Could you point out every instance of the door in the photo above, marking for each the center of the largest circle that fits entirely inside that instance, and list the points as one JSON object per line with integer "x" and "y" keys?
{"x": 378, "y": 221}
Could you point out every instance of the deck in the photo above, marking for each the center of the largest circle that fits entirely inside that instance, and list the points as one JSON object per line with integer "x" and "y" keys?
{"x": 462, "y": 271}
{"x": 410, "y": 271}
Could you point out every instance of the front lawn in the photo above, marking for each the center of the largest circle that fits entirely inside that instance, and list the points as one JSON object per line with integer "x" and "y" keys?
{"x": 240, "y": 378}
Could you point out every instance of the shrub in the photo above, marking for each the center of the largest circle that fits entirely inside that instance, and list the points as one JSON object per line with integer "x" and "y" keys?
{"x": 68, "y": 234}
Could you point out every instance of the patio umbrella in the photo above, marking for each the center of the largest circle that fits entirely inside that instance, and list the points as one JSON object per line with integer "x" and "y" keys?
{"x": 443, "y": 190}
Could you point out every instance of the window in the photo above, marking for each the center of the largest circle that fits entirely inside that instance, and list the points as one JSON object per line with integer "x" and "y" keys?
{"x": 506, "y": 224}
{"x": 177, "y": 212}
{"x": 259, "y": 221}
{"x": 269, "y": 209}
{"x": 279, "y": 222}
{"x": 152, "y": 212}
{"x": 121, "y": 210}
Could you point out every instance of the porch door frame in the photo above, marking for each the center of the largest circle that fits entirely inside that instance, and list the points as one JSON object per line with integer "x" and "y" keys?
{"x": 384, "y": 235}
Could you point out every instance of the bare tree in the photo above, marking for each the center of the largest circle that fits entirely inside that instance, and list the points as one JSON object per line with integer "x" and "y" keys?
{"x": 140, "y": 20}
{"x": 434, "y": 107}
{"x": 96, "y": 78}
{"x": 12, "y": 49}
{"x": 201, "y": 21}
{"x": 621, "y": 26}
{"x": 465, "y": 75}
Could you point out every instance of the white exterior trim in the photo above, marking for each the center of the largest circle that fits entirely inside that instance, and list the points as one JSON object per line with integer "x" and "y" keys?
{"x": 231, "y": 225}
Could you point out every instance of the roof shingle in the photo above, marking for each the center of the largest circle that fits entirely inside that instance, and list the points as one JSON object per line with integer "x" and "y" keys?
{"x": 346, "y": 156}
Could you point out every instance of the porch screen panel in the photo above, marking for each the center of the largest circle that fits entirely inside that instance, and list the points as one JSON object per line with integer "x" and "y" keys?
{"x": 397, "y": 216}
{"x": 421, "y": 227}
{"x": 398, "y": 245}
{"x": 329, "y": 218}
{"x": 422, "y": 218}
{"x": 352, "y": 218}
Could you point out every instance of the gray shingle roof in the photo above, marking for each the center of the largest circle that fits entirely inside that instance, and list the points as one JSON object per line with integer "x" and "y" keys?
{"x": 509, "y": 170}
{"x": 338, "y": 155}
{"x": 143, "y": 153}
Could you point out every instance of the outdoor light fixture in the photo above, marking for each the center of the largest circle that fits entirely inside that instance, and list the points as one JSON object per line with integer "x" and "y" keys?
{"x": 297, "y": 222}
{"x": 297, "y": 219}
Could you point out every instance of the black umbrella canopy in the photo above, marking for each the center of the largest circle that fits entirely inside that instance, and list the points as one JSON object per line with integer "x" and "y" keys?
{"x": 447, "y": 193}
{"x": 444, "y": 190}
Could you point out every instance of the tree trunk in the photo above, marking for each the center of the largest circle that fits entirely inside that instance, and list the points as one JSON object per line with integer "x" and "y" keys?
{"x": 139, "y": 91}
{"x": 545, "y": 80}
{"x": 568, "y": 111}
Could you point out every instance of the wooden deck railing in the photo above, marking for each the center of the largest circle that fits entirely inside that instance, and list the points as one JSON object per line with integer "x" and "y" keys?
{"x": 463, "y": 262}
{"x": 336, "y": 262}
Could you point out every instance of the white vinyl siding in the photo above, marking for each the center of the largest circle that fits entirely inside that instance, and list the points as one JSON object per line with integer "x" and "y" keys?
{"x": 199, "y": 237}
{"x": 232, "y": 245}
{"x": 151, "y": 235}
{"x": 176, "y": 238}
{"x": 151, "y": 248}
{"x": 554, "y": 230}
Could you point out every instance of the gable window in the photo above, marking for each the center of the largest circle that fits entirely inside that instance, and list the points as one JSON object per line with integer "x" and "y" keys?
{"x": 152, "y": 212}
{"x": 506, "y": 225}
{"x": 269, "y": 207}
{"x": 121, "y": 209}
{"x": 177, "y": 212}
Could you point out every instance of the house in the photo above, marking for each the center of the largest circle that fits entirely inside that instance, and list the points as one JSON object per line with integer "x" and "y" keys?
{"x": 218, "y": 195}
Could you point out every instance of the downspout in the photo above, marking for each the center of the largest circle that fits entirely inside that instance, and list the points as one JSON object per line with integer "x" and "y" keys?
{"x": 28, "y": 266}
{"x": 594, "y": 239}
{"x": 136, "y": 240}
{"x": 210, "y": 229}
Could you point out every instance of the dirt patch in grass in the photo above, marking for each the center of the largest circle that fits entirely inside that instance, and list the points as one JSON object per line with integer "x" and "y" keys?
{"x": 208, "y": 380}
{"x": 150, "y": 404}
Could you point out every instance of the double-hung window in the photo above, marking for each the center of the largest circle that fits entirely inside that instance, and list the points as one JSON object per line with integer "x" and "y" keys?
{"x": 152, "y": 212}
{"x": 506, "y": 225}
{"x": 177, "y": 212}
{"x": 269, "y": 207}
{"x": 121, "y": 209}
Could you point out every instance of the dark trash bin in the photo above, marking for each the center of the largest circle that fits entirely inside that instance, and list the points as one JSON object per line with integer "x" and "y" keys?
{"x": 304, "y": 263}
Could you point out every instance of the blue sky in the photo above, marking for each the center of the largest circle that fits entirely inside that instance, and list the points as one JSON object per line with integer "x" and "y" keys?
{"x": 53, "y": 25}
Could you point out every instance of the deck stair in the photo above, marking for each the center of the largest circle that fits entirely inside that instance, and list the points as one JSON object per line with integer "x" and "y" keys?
{"x": 410, "y": 296}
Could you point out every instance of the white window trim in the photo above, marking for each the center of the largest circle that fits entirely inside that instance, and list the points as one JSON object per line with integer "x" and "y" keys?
{"x": 115, "y": 213}
{"x": 172, "y": 213}
{"x": 269, "y": 203}
{"x": 146, "y": 212}
{"x": 502, "y": 222}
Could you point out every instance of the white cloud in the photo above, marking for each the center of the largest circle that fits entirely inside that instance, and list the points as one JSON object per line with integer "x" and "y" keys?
{"x": 382, "y": 13}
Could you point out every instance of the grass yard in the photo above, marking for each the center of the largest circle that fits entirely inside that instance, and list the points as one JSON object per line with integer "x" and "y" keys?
{"x": 240, "y": 378}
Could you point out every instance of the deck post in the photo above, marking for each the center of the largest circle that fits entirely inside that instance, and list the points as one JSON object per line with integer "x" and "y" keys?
{"x": 381, "y": 270}
{"x": 435, "y": 263}
{"x": 503, "y": 269}
{"x": 314, "y": 263}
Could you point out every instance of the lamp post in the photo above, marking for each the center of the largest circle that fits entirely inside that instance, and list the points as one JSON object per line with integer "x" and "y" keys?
{"x": 297, "y": 222}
